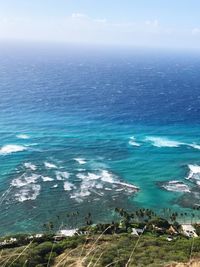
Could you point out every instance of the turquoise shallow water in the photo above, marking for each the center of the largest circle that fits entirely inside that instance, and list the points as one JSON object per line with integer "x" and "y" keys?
{"x": 77, "y": 132}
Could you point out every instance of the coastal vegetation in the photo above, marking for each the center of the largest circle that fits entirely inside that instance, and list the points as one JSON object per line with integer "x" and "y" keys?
{"x": 140, "y": 238}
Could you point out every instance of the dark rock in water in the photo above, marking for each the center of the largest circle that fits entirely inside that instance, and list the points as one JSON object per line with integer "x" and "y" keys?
{"x": 175, "y": 186}
{"x": 190, "y": 200}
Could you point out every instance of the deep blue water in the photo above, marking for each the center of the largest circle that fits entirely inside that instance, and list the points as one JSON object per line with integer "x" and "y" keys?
{"x": 75, "y": 125}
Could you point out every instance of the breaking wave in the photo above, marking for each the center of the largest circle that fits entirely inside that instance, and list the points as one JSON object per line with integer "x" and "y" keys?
{"x": 49, "y": 165}
{"x": 62, "y": 175}
{"x": 23, "y": 136}
{"x": 97, "y": 183}
{"x": 68, "y": 186}
{"x": 176, "y": 186}
{"x": 162, "y": 142}
{"x": 194, "y": 174}
{"x": 81, "y": 161}
{"x": 24, "y": 180}
{"x": 46, "y": 179}
{"x": 30, "y": 166}
{"x": 8, "y": 149}
{"x": 30, "y": 192}
{"x": 133, "y": 142}
{"x": 165, "y": 142}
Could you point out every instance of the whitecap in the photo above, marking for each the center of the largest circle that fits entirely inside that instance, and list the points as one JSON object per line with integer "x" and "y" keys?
{"x": 176, "y": 186}
{"x": 133, "y": 187}
{"x": 194, "y": 173}
{"x": 23, "y": 136}
{"x": 29, "y": 192}
{"x": 62, "y": 175}
{"x": 8, "y": 149}
{"x": 133, "y": 142}
{"x": 79, "y": 196}
{"x": 81, "y": 161}
{"x": 107, "y": 177}
{"x": 49, "y": 165}
{"x": 93, "y": 176}
{"x": 47, "y": 179}
{"x": 81, "y": 176}
{"x": 194, "y": 169}
{"x": 68, "y": 186}
{"x": 24, "y": 179}
{"x": 98, "y": 180}
{"x": 84, "y": 190}
{"x": 162, "y": 142}
{"x": 30, "y": 166}
{"x": 89, "y": 176}
{"x": 55, "y": 186}
{"x": 99, "y": 186}
{"x": 194, "y": 146}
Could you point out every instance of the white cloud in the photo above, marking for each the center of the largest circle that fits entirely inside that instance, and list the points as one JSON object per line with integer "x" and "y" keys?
{"x": 81, "y": 28}
{"x": 79, "y": 16}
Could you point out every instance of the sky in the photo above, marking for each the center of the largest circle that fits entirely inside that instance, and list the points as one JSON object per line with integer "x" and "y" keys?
{"x": 143, "y": 23}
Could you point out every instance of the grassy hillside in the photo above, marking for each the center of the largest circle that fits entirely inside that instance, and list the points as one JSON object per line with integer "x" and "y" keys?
{"x": 138, "y": 239}
{"x": 102, "y": 250}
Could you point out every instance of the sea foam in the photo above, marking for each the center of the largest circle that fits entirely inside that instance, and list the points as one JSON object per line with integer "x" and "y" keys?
{"x": 46, "y": 179}
{"x": 81, "y": 161}
{"x": 23, "y": 136}
{"x": 24, "y": 179}
{"x": 195, "y": 146}
{"x": 68, "y": 186}
{"x": 194, "y": 174}
{"x": 8, "y": 149}
{"x": 62, "y": 175}
{"x": 176, "y": 186}
{"x": 162, "y": 142}
{"x": 30, "y": 192}
{"x": 133, "y": 142}
{"x": 30, "y": 166}
{"x": 49, "y": 165}
{"x": 97, "y": 183}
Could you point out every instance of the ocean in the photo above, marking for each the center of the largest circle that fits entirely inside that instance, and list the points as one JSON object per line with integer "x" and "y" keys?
{"x": 85, "y": 130}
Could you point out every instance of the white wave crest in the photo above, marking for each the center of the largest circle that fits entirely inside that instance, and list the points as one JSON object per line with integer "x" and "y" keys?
{"x": 47, "y": 179}
{"x": 24, "y": 180}
{"x": 55, "y": 186}
{"x": 108, "y": 177}
{"x": 30, "y": 166}
{"x": 23, "y": 136}
{"x": 29, "y": 192}
{"x": 62, "y": 175}
{"x": 194, "y": 173}
{"x": 131, "y": 186}
{"x": 95, "y": 182}
{"x": 81, "y": 161}
{"x": 8, "y": 149}
{"x": 49, "y": 165}
{"x": 195, "y": 146}
{"x": 176, "y": 186}
{"x": 68, "y": 186}
{"x": 79, "y": 196}
{"x": 133, "y": 142}
{"x": 162, "y": 142}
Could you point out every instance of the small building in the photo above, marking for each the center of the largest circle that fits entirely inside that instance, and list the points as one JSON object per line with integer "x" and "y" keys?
{"x": 137, "y": 231}
{"x": 10, "y": 241}
{"x": 65, "y": 233}
{"x": 188, "y": 230}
